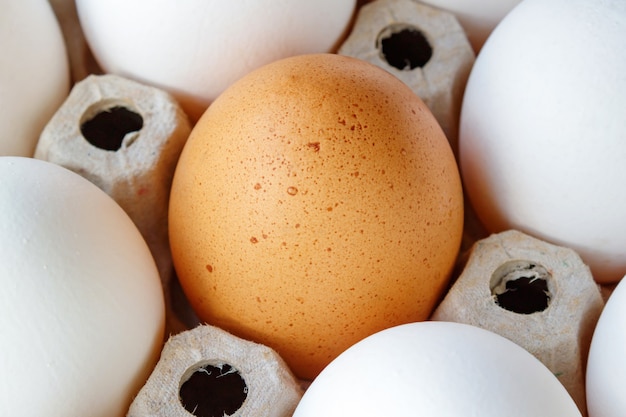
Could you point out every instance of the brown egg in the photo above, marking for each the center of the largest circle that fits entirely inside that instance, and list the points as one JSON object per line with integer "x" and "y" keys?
{"x": 316, "y": 202}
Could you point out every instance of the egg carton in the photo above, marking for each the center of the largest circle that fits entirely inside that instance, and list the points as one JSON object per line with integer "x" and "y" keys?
{"x": 181, "y": 318}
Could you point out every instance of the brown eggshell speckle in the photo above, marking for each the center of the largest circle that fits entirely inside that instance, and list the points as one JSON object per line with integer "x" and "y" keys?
{"x": 316, "y": 202}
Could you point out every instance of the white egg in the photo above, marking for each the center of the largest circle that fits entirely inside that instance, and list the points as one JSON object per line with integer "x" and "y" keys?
{"x": 196, "y": 48}
{"x": 606, "y": 364}
{"x": 81, "y": 305}
{"x": 436, "y": 369}
{"x": 34, "y": 73}
{"x": 478, "y": 17}
{"x": 542, "y": 128}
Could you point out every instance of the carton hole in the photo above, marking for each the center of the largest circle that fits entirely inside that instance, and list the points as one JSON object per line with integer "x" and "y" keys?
{"x": 213, "y": 390}
{"x": 106, "y": 127}
{"x": 404, "y": 47}
{"x": 521, "y": 286}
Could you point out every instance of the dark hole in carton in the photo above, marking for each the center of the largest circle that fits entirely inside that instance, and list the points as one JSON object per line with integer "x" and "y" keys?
{"x": 213, "y": 391}
{"x": 521, "y": 287}
{"x": 404, "y": 47}
{"x": 108, "y": 128}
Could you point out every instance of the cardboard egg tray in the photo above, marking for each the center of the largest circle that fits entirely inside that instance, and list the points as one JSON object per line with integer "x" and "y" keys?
{"x": 82, "y": 64}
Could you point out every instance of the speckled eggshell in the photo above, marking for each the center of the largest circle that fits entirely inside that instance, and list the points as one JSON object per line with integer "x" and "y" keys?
{"x": 316, "y": 202}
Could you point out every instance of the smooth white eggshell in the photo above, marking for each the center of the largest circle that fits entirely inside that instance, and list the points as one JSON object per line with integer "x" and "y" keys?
{"x": 81, "y": 305}
{"x": 542, "y": 128}
{"x": 196, "y": 48}
{"x": 34, "y": 73}
{"x": 606, "y": 365}
{"x": 436, "y": 369}
{"x": 478, "y": 17}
